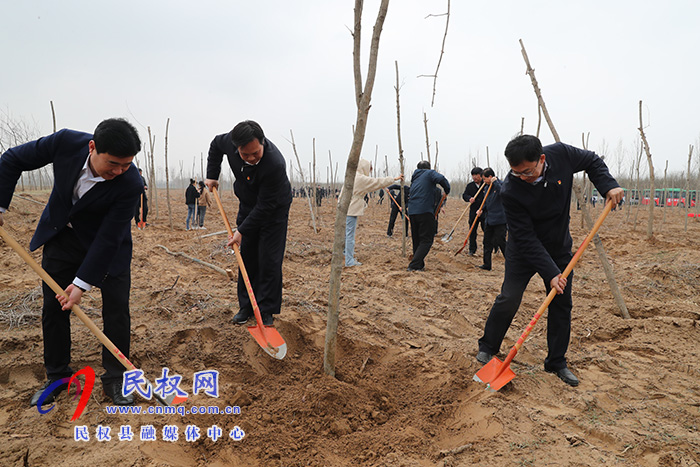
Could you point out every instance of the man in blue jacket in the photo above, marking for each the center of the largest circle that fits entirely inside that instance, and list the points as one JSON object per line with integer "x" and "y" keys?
{"x": 86, "y": 233}
{"x": 265, "y": 195}
{"x": 536, "y": 195}
{"x": 420, "y": 211}
{"x": 494, "y": 219}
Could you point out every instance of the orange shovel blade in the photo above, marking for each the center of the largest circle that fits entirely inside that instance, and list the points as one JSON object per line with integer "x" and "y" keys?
{"x": 494, "y": 375}
{"x": 270, "y": 340}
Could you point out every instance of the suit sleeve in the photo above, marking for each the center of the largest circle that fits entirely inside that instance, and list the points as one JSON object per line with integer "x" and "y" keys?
{"x": 594, "y": 166}
{"x": 25, "y": 157}
{"x": 216, "y": 155}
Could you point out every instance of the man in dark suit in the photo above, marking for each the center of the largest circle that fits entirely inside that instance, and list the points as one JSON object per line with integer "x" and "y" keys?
{"x": 536, "y": 196}
{"x": 265, "y": 195}
{"x": 86, "y": 235}
{"x": 469, "y": 191}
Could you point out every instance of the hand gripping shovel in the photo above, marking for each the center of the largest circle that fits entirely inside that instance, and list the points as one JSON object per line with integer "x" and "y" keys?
{"x": 141, "y": 223}
{"x": 266, "y": 336}
{"x": 476, "y": 219}
{"x": 447, "y": 237}
{"x": 170, "y": 400}
{"x": 496, "y": 374}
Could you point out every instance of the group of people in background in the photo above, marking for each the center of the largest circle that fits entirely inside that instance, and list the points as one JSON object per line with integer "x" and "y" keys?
{"x": 197, "y": 199}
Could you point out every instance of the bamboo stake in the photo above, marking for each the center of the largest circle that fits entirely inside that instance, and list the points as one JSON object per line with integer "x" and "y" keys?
{"x": 652, "y": 188}
{"x": 167, "y": 175}
{"x": 609, "y": 274}
{"x": 401, "y": 160}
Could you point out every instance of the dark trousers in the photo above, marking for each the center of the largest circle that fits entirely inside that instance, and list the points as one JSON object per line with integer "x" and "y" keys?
{"x": 517, "y": 276}
{"x": 472, "y": 236}
{"x": 62, "y": 257}
{"x": 392, "y": 220}
{"x": 494, "y": 236}
{"x": 201, "y": 212}
{"x": 423, "y": 235}
{"x": 137, "y": 213}
{"x": 262, "y": 255}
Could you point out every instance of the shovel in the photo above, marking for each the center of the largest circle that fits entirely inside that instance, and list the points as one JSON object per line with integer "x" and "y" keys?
{"x": 266, "y": 336}
{"x": 141, "y": 223}
{"x": 404, "y": 217}
{"x": 167, "y": 401}
{"x": 476, "y": 219}
{"x": 496, "y": 374}
{"x": 446, "y": 238}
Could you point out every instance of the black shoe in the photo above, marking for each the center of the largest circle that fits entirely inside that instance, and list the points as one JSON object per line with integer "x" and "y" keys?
{"x": 565, "y": 375}
{"x": 483, "y": 357}
{"x": 50, "y": 397}
{"x": 242, "y": 316}
{"x": 484, "y": 268}
{"x": 267, "y": 320}
{"x": 113, "y": 390}
{"x": 410, "y": 269}
{"x": 472, "y": 253}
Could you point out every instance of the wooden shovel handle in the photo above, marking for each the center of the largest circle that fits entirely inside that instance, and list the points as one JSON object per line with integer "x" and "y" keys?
{"x": 57, "y": 288}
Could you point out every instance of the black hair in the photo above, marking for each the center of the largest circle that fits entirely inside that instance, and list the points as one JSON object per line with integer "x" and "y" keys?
{"x": 245, "y": 132}
{"x": 117, "y": 137}
{"x": 192, "y": 180}
{"x": 423, "y": 165}
{"x": 523, "y": 148}
{"x": 201, "y": 184}
{"x": 488, "y": 172}
{"x": 477, "y": 171}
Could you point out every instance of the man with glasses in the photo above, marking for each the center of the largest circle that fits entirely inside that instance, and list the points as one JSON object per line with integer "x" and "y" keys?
{"x": 536, "y": 196}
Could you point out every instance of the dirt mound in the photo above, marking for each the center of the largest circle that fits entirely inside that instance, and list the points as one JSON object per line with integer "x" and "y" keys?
{"x": 403, "y": 394}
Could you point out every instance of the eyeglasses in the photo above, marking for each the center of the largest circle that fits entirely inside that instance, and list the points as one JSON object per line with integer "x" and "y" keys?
{"x": 526, "y": 174}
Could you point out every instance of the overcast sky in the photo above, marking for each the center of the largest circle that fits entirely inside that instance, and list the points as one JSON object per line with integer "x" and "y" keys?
{"x": 207, "y": 65}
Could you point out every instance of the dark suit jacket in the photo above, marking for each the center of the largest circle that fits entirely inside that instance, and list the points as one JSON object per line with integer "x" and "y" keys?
{"x": 263, "y": 190}
{"x": 538, "y": 214}
{"x": 101, "y": 219}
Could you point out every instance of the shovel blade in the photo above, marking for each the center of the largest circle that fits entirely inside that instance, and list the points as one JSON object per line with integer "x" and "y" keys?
{"x": 269, "y": 340}
{"x": 494, "y": 375}
{"x": 446, "y": 238}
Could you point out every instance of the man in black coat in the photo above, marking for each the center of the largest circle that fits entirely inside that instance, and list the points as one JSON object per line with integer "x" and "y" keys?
{"x": 265, "y": 195}
{"x": 469, "y": 191}
{"x": 396, "y": 205}
{"x": 85, "y": 230}
{"x": 536, "y": 196}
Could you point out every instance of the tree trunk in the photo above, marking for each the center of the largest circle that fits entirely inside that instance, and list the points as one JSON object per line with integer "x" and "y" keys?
{"x": 687, "y": 188}
{"x": 362, "y": 100}
{"x": 167, "y": 176}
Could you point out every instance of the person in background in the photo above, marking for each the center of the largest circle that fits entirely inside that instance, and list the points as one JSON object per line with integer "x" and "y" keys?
{"x": 494, "y": 219}
{"x": 142, "y": 202}
{"x": 191, "y": 195}
{"x": 203, "y": 203}
{"x": 469, "y": 191}
{"x": 395, "y": 191}
{"x": 364, "y": 184}
{"x": 421, "y": 211}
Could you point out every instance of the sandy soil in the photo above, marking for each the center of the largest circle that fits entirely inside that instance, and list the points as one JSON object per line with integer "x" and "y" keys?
{"x": 404, "y": 394}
